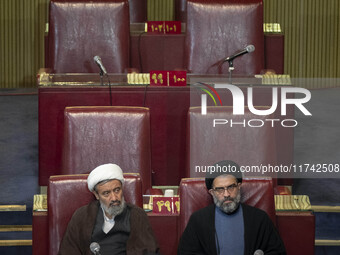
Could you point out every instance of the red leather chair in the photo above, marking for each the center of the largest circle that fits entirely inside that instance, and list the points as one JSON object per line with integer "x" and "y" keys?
{"x": 66, "y": 193}
{"x": 80, "y": 30}
{"x": 257, "y": 192}
{"x": 217, "y": 29}
{"x": 95, "y": 135}
{"x": 247, "y": 146}
{"x": 297, "y": 229}
{"x": 138, "y": 8}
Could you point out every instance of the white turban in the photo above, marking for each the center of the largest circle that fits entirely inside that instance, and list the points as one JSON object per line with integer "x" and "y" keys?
{"x": 104, "y": 172}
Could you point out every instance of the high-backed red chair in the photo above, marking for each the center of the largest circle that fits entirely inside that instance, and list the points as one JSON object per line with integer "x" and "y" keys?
{"x": 80, "y": 30}
{"x": 257, "y": 192}
{"x": 297, "y": 229}
{"x": 95, "y": 135}
{"x": 217, "y": 29}
{"x": 138, "y": 8}
{"x": 66, "y": 193}
{"x": 246, "y": 145}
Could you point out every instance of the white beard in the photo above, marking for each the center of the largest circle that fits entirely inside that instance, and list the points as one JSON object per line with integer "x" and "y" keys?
{"x": 114, "y": 210}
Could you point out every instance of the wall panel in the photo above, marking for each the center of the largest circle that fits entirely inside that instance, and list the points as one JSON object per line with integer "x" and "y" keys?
{"x": 22, "y": 24}
{"x": 311, "y": 29}
{"x": 160, "y": 10}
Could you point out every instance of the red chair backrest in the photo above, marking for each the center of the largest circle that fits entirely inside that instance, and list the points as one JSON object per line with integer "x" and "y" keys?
{"x": 247, "y": 146}
{"x": 138, "y": 8}
{"x": 217, "y": 29}
{"x": 66, "y": 193}
{"x": 96, "y": 135}
{"x": 80, "y": 30}
{"x": 257, "y": 192}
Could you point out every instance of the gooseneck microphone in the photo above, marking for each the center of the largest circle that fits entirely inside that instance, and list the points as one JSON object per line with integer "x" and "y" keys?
{"x": 95, "y": 248}
{"x": 250, "y": 48}
{"x": 99, "y": 62}
{"x": 258, "y": 252}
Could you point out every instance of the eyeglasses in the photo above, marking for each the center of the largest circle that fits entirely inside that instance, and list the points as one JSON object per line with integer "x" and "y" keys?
{"x": 231, "y": 188}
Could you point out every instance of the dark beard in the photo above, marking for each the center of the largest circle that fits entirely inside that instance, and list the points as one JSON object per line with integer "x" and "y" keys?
{"x": 229, "y": 207}
{"x": 114, "y": 210}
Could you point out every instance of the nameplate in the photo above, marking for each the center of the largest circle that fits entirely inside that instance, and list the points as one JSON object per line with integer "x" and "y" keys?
{"x": 272, "y": 28}
{"x": 166, "y": 205}
{"x": 276, "y": 79}
{"x": 138, "y": 78}
{"x": 163, "y": 27}
{"x": 168, "y": 78}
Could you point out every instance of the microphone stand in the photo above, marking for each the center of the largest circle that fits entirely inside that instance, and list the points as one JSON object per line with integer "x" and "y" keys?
{"x": 231, "y": 68}
{"x": 101, "y": 77}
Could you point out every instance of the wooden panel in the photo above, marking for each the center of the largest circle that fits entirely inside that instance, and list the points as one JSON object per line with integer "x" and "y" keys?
{"x": 311, "y": 29}
{"x": 22, "y": 24}
{"x": 160, "y": 10}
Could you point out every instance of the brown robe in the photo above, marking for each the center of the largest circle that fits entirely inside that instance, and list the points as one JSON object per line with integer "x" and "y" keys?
{"x": 77, "y": 238}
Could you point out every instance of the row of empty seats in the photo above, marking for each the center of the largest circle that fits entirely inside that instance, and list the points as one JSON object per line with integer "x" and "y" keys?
{"x": 95, "y": 135}
{"x": 78, "y": 31}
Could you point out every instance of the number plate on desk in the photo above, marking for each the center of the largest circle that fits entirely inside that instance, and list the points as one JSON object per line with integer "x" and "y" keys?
{"x": 168, "y": 78}
{"x": 166, "y": 205}
{"x": 163, "y": 27}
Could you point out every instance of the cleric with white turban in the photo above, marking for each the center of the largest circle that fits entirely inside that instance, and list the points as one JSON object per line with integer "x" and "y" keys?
{"x": 103, "y": 173}
{"x": 113, "y": 225}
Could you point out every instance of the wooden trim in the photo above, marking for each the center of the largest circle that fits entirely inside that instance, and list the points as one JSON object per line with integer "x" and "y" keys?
{"x": 12, "y": 208}
{"x": 15, "y": 242}
{"x": 324, "y": 208}
{"x": 292, "y": 202}
{"x": 322, "y": 242}
{"x": 15, "y": 228}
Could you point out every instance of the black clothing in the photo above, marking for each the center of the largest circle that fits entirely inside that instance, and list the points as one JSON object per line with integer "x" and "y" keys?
{"x": 114, "y": 242}
{"x": 259, "y": 233}
{"x": 77, "y": 238}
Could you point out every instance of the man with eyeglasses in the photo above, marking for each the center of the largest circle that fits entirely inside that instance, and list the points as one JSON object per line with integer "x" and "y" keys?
{"x": 228, "y": 226}
{"x": 108, "y": 225}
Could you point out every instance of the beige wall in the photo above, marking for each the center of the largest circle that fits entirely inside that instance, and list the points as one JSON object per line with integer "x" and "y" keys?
{"x": 311, "y": 29}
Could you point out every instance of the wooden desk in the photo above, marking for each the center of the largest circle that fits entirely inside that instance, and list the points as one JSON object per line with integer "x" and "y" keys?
{"x": 166, "y": 52}
{"x": 296, "y": 223}
{"x": 165, "y": 228}
{"x": 157, "y": 52}
{"x": 297, "y": 230}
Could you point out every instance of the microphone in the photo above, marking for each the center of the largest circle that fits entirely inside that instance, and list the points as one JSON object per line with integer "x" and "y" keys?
{"x": 248, "y": 49}
{"x": 98, "y": 61}
{"x": 258, "y": 252}
{"x": 95, "y": 248}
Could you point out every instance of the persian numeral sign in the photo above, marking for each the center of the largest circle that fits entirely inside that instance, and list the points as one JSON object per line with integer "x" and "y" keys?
{"x": 166, "y": 205}
{"x": 164, "y": 27}
{"x": 168, "y": 78}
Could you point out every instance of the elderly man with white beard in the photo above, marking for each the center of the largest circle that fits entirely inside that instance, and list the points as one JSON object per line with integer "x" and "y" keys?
{"x": 228, "y": 226}
{"x": 118, "y": 227}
